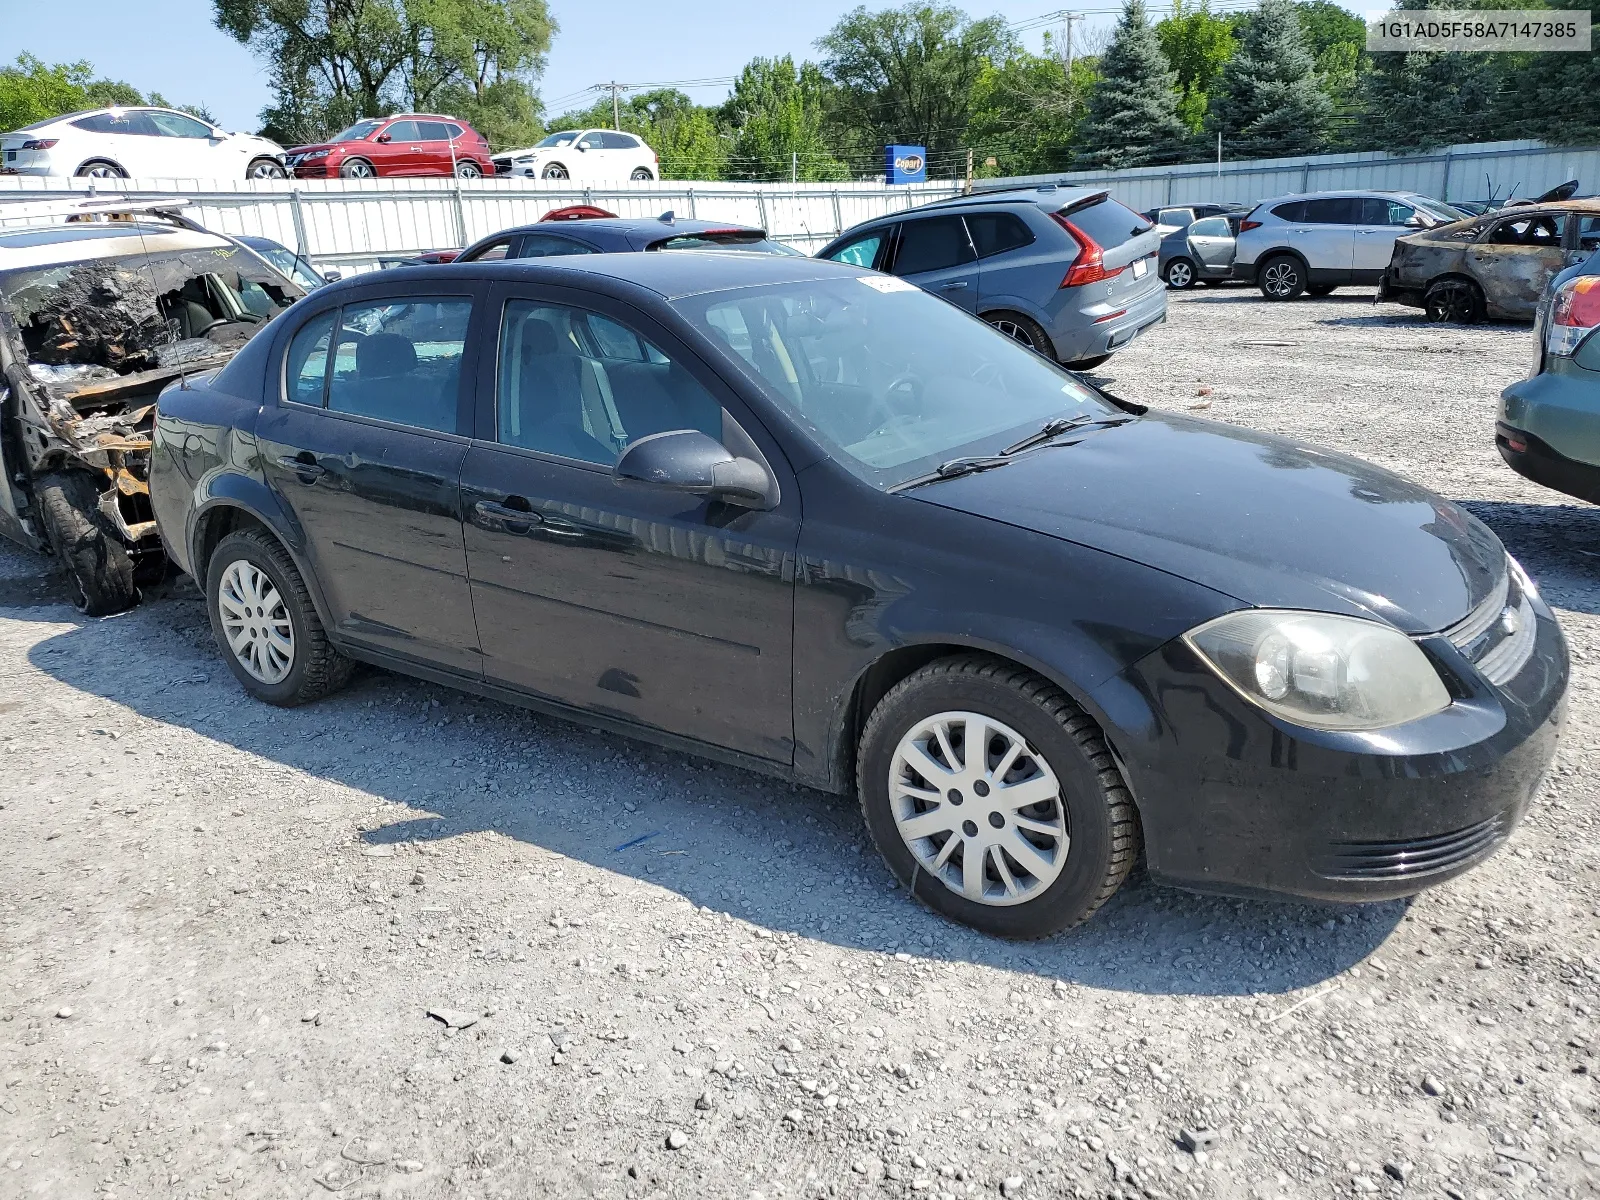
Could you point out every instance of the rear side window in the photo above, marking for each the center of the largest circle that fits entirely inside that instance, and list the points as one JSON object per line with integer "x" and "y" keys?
{"x": 997, "y": 232}
{"x": 119, "y": 122}
{"x": 932, "y": 244}
{"x": 398, "y": 360}
{"x": 434, "y": 131}
{"x": 1334, "y": 210}
{"x": 619, "y": 141}
{"x": 1295, "y": 210}
{"x": 1108, "y": 223}
{"x": 544, "y": 245}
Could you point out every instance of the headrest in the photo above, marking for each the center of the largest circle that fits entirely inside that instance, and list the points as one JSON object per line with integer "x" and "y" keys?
{"x": 539, "y": 337}
{"x": 385, "y": 354}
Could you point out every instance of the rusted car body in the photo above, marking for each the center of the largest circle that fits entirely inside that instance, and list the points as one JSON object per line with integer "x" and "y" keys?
{"x": 98, "y": 312}
{"x": 1492, "y": 266}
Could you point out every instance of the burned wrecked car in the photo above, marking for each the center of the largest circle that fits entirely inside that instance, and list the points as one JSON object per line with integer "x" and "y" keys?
{"x": 98, "y": 312}
{"x": 1496, "y": 265}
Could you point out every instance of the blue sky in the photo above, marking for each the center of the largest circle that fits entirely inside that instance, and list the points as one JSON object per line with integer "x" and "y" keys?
{"x": 172, "y": 47}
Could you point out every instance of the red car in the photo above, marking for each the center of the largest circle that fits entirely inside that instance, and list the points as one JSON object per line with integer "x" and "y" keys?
{"x": 404, "y": 144}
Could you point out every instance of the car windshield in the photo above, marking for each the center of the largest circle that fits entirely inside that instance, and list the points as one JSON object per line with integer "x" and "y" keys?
{"x": 889, "y": 379}
{"x": 358, "y": 132}
{"x": 561, "y": 139}
{"x": 291, "y": 264}
{"x": 1438, "y": 209}
{"x": 126, "y": 313}
{"x": 726, "y": 241}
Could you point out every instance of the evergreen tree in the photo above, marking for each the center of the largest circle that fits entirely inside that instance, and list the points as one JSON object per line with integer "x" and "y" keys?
{"x": 1133, "y": 117}
{"x": 1268, "y": 101}
{"x": 1424, "y": 100}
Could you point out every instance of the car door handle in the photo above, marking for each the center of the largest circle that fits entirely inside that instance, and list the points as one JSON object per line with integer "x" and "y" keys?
{"x": 505, "y": 514}
{"x": 953, "y": 287}
{"x": 303, "y": 465}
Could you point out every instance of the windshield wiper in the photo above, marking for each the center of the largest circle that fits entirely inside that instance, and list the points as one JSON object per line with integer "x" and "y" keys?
{"x": 1056, "y": 427}
{"x": 954, "y": 468}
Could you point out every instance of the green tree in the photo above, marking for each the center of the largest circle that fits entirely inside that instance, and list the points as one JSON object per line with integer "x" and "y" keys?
{"x": 30, "y": 91}
{"x": 1421, "y": 101}
{"x": 1133, "y": 117}
{"x": 1197, "y": 43}
{"x": 683, "y": 134}
{"x": 905, "y": 76}
{"x": 335, "y": 60}
{"x": 1026, "y": 112}
{"x": 1268, "y": 101}
{"x": 775, "y": 114}
{"x": 1555, "y": 93}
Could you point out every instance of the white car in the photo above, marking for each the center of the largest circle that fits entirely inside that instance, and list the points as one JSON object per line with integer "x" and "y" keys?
{"x": 116, "y": 143}
{"x": 583, "y": 154}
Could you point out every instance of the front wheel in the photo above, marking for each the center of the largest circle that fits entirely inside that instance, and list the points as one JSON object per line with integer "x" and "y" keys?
{"x": 357, "y": 168}
{"x": 1283, "y": 278}
{"x": 265, "y": 624}
{"x": 1180, "y": 274}
{"x": 995, "y": 798}
{"x": 266, "y": 168}
{"x": 86, "y": 543}
{"x": 555, "y": 171}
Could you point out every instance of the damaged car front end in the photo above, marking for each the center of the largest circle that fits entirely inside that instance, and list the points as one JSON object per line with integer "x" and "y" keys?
{"x": 1495, "y": 266}
{"x": 96, "y": 317}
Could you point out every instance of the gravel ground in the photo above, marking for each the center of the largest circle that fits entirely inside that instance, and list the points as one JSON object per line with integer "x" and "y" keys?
{"x": 223, "y": 926}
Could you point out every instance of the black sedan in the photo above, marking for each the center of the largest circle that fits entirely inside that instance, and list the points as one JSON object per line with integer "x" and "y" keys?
{"x": 806, "y": 518}
{"x": 580, "y": 229}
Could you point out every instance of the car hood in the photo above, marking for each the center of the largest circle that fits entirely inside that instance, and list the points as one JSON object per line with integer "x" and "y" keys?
{"x": 1268, "y": 521}
{"x": 319, "y": 146}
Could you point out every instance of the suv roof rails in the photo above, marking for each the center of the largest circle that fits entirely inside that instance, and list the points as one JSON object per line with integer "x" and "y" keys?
{"x": 96, "y": 208}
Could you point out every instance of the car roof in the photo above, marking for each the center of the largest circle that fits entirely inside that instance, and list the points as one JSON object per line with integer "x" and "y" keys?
{"x": 1342, "y": 193}
{"x": 1049, "y": 197}
{"x": 58, "y": 245}
{"x": 671, "y": 276}
{"x": 644, "y": 226}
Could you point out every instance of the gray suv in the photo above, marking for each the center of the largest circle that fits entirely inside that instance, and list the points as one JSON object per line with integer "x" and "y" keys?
{"x": 1313, "y": 243}
{"x": 1067, "y": 271}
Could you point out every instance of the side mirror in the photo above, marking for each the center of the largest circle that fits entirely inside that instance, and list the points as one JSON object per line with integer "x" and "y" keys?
{"x": 686, "y": 460}
{"x": 1415, "y": 222}
{"x": 332, "y": 276}
{"x": 384, "y": 137}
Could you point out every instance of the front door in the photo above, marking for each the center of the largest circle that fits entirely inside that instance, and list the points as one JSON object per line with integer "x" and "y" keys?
{"x": 1514, "y": 260}
{"x": 659, "y": 608}
{"x": 398, "y": 149}
{"x": 364, "y": 448}
{"x": 936, "y": 254}
{"x": 1382, "y": 221}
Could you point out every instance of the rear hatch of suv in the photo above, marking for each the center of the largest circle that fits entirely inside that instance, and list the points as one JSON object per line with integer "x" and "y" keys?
{"x": 1117, "y": 246}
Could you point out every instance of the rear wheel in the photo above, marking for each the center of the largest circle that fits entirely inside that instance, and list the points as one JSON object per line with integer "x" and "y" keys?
{"x": 265, "y": 624}
{"x": 98, "y": 565}
{"x": 357, "y": 168}
{"x": 641, "y": 173}
{"x": 1180, "y": 274}
{"x": 266, "y": 168}
{"x": 1457, "y": 300}
{"x": 1283, "y": 277}
{"x": 1022, "y": 329}
{"x": 995, "y": 799}
{"x": 555, "y": 171}
{"x": 468, "y": 169}
{"x": 99, "y": 168}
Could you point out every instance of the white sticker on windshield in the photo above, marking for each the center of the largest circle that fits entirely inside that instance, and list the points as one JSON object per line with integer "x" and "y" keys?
{"x": 887, "y": 283}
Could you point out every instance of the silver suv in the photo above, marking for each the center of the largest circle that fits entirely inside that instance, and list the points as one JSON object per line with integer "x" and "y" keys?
{"x": 1317, "y": 242}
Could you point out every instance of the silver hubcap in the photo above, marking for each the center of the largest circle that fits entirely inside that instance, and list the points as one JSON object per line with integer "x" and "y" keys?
{"x": 467, "y": 171}
{"x": 1279, "y": 279}
{"x": 1014, "y": 331}
{"x": 1179, "y": 275}
{"x": 255, "y": 622}
{"x": 979, "y": 808}
{"x": 102, "y": 172}
{"x": 555, "y": 173}
{"x": 359, "y": 170}
{"x": 267, "y": 171}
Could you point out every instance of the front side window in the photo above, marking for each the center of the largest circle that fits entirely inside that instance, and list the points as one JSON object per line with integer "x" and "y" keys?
{"x": 359, "y": 132}
{"x": 400, "y": 360}
{"x": 861, "y": 251}
{"x": 590, "y": 141}
{"x": 565, "y": 138}
{"x": 579, "y": 385}
{"x": 403, "y": 131}
{"x": 1378, "y": 210}
{"x": 932, "y": 244}
{"x": 1543, "y": 230}
{"x": 889, "y": 380}
{"x": 996, "y": 232}
{"x": 171, "y": 124}
{"x": 547, "y": 245}
{"x": 493, "y": 252}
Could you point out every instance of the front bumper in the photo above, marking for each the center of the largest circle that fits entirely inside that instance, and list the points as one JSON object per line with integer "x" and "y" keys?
{"x": 1236, "y": 802}
{"x": 315, "y": 171}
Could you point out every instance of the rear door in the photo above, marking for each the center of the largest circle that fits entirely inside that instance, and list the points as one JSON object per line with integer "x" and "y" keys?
{"x": 937, "y": 255}
{"x": 434, "y": 138}
{"x": 1211, "y": 244}
{"x": 1326, "y": 236}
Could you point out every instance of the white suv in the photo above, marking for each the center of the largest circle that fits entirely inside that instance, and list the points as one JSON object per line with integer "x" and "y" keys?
{"x": 141, "y": 142}
{"x": 583, "y": 154}
{"x": 1317, "y": 242}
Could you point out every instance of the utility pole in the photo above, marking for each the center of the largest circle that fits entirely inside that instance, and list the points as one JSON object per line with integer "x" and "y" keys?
{"x": 1067, "y": 18}
{"x": 968, "y": 189}
{"x": 794, "y": 166}
{"x": 1219, "y": 154}
{"x": 616, "y": 111}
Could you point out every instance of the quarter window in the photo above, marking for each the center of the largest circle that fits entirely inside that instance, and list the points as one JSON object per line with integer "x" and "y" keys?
{"x": 932, "y": 244}
{"x": 306, "y": 365}
{"x": 578, "y": 385}
{"x": 997, "y": 232}
{"x": 398, "y": 360}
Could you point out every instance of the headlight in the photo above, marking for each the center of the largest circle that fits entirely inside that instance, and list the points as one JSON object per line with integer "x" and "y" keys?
{"x": 315, "y": 154}
{"x": 524, "y": 158}
{"x": 1320, "y": 670}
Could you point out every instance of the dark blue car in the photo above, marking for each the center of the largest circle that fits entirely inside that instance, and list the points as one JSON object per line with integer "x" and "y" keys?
{"x": 584, "y": 230}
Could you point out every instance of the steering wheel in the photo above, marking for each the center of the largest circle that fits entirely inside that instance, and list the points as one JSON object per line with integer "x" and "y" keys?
{"x": 883, "y": 409}
{"x": 198, "y": 333}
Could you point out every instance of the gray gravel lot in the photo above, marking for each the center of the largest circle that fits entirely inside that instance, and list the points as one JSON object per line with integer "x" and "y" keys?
{"x": 223, "y": 926}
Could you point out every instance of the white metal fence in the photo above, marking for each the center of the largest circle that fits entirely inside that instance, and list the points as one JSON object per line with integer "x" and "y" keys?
{"x": 359, "y": 225}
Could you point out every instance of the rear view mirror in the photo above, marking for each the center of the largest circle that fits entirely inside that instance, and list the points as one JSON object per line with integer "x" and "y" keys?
{"x": 686, "y": 460}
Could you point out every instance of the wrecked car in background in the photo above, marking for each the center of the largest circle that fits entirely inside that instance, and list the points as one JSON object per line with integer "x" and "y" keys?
{"x": 103, "y": 303}
{"x": 1496, "y": 265}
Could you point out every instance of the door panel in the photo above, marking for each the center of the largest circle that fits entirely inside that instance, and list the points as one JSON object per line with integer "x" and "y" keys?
{"x": 1211, "y": 244}
{"x": 1327, "y": 237}
{"x": 402, "y": 153}
{"x": 936, "y": 254}
{"x": 1516, "y": 259}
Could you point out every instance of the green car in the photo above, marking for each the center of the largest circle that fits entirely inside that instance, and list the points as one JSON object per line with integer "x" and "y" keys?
{"x": 1549, "y": 425}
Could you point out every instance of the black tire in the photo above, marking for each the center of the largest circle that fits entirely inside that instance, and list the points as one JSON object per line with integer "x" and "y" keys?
{"x": 554, "y": 171}
{"x": 641, "y": 173}
{"x": 1101, "y": 821}
{"x": 100, "y": 168}
{"x": 265, "y": 168}
{"x": 1180, "y": 274}
{"x": 1087, "y": 364}
{"x": 1213, "y": 282}
{"x": 357, "y": 168}
{"x": 86, "y": 543}
{"x": 1282, "y": 277}
{"x": 1321, "y": 289}
{"x": 317, "y": 668}
{"x": 1457, "y": 300}
{"x": 1024, "y": 329}
{"x": 467, "y": 169}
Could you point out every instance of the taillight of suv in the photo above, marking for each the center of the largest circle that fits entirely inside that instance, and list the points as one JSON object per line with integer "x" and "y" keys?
{"x": 1244, "y": 225}
{"x": 1574, "y": 314}
{"x": 1090, "y": 266}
